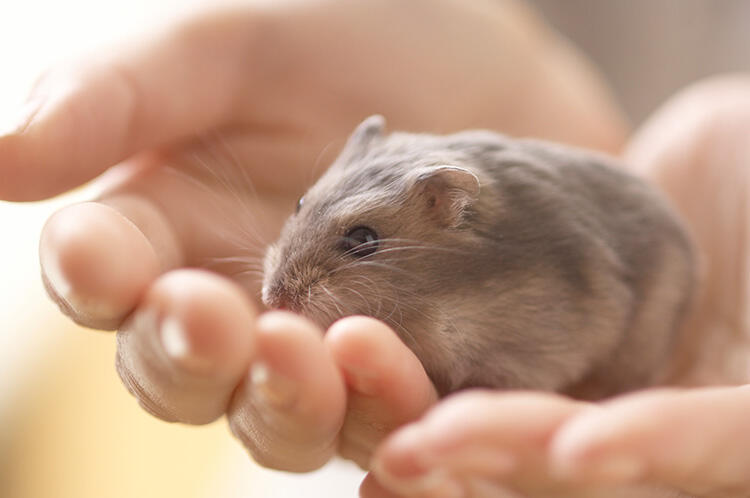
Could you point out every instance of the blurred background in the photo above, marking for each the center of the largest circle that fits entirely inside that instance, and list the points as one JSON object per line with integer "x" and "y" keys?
{"x": 68, "y": 429}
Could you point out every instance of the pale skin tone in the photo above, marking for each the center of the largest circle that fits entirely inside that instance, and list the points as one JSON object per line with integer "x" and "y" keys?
{"x": 265, "y": 97}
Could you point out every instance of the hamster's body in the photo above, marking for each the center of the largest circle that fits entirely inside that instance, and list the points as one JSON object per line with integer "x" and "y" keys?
{"x": 501, "y": 263}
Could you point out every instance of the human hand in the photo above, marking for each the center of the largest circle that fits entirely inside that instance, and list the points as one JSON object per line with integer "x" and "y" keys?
{"x": 217, "y": 124}
{"x": 660, "y": 443}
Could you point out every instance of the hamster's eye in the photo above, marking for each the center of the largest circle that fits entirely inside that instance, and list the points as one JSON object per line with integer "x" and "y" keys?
{"x": 299, "y": 204}
{"x": 360, "y": 241}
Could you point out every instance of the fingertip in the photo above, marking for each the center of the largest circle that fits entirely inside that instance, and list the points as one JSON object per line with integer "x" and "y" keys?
{"x": 586, "y": 448}
{"x": 289, "y": 411}
{"x": 373, "y": 358}
{"x": 361, "y": 342}
{"x": 569, "y": 450}
{"x": 297, "y": 369}
{"x": 279, "y": 322}
{"x": 388, "y": 386}
{"x": 279, "y": 333}
{"x": 348, "y": 334}
{"x": 399, "y": 456}
{"x": 207, "y": 323}
{"x": 187, "y": 346}
{"x": 371, "y": 488}
{"x": 96, "y": 263}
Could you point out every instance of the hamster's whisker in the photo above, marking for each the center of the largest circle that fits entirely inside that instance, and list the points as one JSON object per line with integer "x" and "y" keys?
{"x": 365, "y": 301}
{"x": 247, "y": 238}
{"x": 232, "y": 259}
{"x": 378, "y": 254}
{"x": 395, "y": 305}
{"x": 236, "y": 163}
{"x": 325, "y": 312}
{"x": 247, "y": 265}
{"x": 418, "y": 311}
{"x": 334, "y": 300}
{"x": 211, "y": 142}
{"x": 370, "y": 285}
{"x": 248, "y": 271}
{"x": 316, "y": 310}
{"x": 367, "y": 279}
{"x": 399, "y": 324}
{"x": 226, "y": 169}
{"x": 358, "y": 248}
{"x": 318, "y": 162}
{"x": 386, "y": 266}
{"x": 229, "y": 186}
{"x": 418, "y": 248}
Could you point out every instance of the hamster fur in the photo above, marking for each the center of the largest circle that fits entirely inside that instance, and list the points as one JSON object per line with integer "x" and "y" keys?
{"x": 500, "y": 262}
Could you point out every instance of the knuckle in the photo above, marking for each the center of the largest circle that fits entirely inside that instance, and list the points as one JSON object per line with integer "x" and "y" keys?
{"x": 273, "y": 444}
{"x": 144, "y": 396}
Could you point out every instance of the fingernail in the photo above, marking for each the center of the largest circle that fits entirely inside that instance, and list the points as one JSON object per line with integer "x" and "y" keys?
{"x": 274, "y": 389}
{"x": 14, "y": 123}
{"x": 174, "y": 339}
{"x": 177, "y": 346}
{"x": 69, "y": 302}
{"x": 54, "y": 277}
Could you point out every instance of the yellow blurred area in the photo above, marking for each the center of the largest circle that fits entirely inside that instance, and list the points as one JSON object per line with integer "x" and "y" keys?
{"x": 72, "y": 431}
{"x": 77, "y": 433}
{"x": 68, "y": 428}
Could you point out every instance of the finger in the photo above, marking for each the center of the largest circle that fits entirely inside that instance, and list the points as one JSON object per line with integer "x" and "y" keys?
{"x": 290, "y": 407}
{"x": 371, "y": 488}
{"x": 82, "y": 119}
{"x": 477, "y": 488}
{"x": 185, "y": 349}
{"x": 694, "y": 440}
{"x": 387, "y": 385}
{"x": 474, "y": 440}
{"x": 97, "y": 260}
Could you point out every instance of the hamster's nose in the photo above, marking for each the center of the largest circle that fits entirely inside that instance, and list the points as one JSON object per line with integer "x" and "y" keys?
{"x": 276, "y": 296}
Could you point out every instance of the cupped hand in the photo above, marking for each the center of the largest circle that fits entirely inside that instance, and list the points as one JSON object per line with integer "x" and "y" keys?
{"x": 662, "y": 443}
{"x": 216, "y": 124}
{"x": 665, "y": 443}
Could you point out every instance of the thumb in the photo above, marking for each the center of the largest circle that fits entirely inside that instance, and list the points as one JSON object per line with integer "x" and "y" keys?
{"x": 83, "y": 119}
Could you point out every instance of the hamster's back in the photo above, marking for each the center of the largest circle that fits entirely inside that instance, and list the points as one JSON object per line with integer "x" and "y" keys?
{"x": 611, "y": 238}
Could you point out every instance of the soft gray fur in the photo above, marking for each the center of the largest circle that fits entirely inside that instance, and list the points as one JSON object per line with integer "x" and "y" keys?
{"x": 503, "y": 263}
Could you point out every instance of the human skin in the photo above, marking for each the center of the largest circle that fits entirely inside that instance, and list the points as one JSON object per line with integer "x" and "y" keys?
{"x": 291, "y": 82}
{"x": 669, "y": 441}
{"x": 191, "y": 344}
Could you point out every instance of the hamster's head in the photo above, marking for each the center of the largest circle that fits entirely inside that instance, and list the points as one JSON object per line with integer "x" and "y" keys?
{"x": 375, "y": 233}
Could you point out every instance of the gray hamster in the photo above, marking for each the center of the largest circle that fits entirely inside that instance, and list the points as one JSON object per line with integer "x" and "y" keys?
{"x": 500, "y": 262}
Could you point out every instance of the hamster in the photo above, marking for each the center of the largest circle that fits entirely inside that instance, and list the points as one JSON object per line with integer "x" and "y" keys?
{"x": 499, "y": 262}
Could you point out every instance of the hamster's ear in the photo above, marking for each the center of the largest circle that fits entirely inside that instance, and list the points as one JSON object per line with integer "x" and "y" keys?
{"x": 447, "y": 192}
{"x": 363, "y": 135}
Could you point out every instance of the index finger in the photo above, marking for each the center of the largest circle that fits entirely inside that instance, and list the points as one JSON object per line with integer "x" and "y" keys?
{"x": 83, "y": 119}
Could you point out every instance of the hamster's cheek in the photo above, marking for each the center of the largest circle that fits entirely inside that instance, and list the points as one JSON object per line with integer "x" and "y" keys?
{"x": 271, "y": 259}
